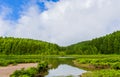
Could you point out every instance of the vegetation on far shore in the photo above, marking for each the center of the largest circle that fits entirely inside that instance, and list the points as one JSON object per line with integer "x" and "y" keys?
{"x": 16, "y": 59}
{"x": 109, "y": 44}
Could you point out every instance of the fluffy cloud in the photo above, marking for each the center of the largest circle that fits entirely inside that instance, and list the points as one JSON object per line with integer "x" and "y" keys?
{"x": 67, "y": 21}
{"x": 5, "y": 25}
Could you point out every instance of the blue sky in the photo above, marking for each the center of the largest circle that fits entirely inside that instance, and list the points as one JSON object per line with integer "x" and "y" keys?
{"x": 16, "y": 7}
{"x": 63, "y": 22}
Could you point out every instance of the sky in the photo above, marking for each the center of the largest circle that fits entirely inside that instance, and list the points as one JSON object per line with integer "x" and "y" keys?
{"x": 63, "y": 22}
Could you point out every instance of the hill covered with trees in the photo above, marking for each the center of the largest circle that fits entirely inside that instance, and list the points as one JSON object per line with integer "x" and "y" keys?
{"x": 109, "y": 44}
{"x": 10, "y": 45}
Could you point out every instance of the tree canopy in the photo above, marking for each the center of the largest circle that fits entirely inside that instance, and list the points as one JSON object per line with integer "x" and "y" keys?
{"x": 109, "y": 44}
{"x": 10, "y": 45}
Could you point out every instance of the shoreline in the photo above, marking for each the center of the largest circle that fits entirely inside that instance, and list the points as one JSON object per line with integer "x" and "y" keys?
{"x": 6, "y": 71}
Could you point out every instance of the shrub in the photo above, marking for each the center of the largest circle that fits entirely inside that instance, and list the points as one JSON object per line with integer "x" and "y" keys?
{"x": 42, "y": 66}
{"x": 31, "y": 72}
{"x": 116, "y": 65}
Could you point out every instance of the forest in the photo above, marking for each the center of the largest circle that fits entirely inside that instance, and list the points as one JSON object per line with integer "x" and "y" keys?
{"x": 109, "y": 44}
{"x": 20, "y": 46}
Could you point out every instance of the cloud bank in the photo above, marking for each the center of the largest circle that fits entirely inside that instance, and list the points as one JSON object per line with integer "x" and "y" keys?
{"x": 65, "y": 22}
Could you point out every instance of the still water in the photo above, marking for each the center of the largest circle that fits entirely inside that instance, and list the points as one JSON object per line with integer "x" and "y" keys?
{"x": 63, "y": 67}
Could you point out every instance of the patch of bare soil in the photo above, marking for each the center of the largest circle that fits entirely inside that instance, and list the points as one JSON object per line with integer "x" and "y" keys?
{"x": 8, "y": 70}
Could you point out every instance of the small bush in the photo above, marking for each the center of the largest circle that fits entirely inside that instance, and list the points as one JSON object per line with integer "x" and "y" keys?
{"x": 42, "y": 66}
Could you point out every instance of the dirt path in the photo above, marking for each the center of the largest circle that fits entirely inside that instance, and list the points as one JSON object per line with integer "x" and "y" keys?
{"x": 6, "y": 71}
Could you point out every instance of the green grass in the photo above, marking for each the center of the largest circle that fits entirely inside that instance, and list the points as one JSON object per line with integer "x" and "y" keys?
{"x": 16, "y": 59}
{"x": 103, "y": 73}
{"x": 101, "y": 62}
{"x": 100, "y": 65}
{"x": 38, "y": 71}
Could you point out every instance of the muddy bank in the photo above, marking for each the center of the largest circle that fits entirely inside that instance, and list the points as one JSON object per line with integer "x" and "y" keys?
{"x": 8, "y": 70}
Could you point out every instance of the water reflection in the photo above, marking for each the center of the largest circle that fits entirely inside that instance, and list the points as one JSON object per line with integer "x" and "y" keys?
{"x": 64, "y": 70}
{"x": 62, "y": 67}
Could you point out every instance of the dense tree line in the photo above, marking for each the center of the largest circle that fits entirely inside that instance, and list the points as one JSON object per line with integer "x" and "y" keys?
{"x": 10, "y": 45}
{"x": 109, "y": 44}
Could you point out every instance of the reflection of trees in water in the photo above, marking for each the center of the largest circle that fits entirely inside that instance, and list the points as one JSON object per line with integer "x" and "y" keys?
{"x": 55, "y": 62}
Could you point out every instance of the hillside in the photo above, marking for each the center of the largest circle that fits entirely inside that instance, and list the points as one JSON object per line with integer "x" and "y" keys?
{"x": 109, "y": 44}
{"x": 10, "y": 45}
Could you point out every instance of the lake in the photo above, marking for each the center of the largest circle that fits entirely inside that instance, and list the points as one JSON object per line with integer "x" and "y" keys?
{"x": 63, "y": 67}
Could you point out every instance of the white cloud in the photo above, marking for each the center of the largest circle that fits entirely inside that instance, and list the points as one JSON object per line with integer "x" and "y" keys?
{"x": 69, "y": 21}
{"x": 5, "y": 25}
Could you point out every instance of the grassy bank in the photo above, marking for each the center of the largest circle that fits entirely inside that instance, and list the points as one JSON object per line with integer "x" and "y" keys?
{"x": 16, "y": 59}
{"x": 100, "y": 65}
{"x": 38, "y": 71}
{"x": 103, "y": 73}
